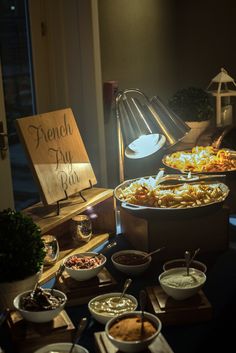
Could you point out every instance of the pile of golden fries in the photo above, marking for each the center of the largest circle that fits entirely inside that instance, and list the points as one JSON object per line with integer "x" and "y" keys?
{"x": 201, "y": 159}
{"x": 175, "y": 196}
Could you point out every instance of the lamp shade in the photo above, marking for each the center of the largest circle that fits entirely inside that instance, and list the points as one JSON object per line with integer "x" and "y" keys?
{"x": 139, "y": 137}
{"x": 146, "y": 125}
{"x": 168, "y": 123}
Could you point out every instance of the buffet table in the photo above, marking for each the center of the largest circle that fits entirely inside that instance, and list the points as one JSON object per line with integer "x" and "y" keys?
{"x": 220, "y": 289}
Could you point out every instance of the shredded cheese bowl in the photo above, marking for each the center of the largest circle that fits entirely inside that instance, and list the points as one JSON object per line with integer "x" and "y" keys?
{"x": 178, "y": 285}
{"x": 202, "y": 160}
{"x": 146, "y": 193}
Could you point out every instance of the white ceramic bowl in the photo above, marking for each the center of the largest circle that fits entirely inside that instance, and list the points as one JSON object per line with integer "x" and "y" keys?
{"x": 61, "y": 347}
{"x": 40, "y": 316}
{"x": 182, "y": 263}
{"x": 132, "y": 270}
{"x": 103, "y": 318}
{"x": 133, "y": 346}
{"x": 178, "y": 285}
{"x": 84, "y": 274}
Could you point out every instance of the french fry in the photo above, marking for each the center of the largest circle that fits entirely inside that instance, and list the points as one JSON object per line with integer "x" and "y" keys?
{"x": 181, "y": 196}
{"x": 202, "y": 159}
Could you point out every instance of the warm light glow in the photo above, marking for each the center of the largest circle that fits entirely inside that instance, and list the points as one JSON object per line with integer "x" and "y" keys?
{"x": 145, "y": 145}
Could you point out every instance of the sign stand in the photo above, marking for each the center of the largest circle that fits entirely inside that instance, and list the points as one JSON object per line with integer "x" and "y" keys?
{"x": 57, "y": 155}
{"x": 80, "y": 194}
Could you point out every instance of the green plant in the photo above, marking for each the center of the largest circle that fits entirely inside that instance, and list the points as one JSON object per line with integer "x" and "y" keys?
{"x": 21, "y": 247}
{"x": 192, "y": 104}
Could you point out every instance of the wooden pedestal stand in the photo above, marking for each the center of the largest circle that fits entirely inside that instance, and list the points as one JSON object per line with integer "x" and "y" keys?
{"x": 99, "y": 201}
{"x": 207, "y": 231}
{"x": 29, "y": 336}
{"x": 103, "y": 345}
{"x": 177, "y": 312}
{"x": 81, "y": 292}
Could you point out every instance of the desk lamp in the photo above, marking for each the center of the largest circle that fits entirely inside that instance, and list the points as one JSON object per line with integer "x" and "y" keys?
{"x": 144, "y": 126}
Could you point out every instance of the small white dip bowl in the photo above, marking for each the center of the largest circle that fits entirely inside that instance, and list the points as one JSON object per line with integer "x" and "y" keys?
{"x": 103, "y": 317}
{"x": 137, "y": 345}
{"x": 85, "y": 274}
{"x": 178, "y": 285}
{"x": 61, "y": 347}
{"x": 43, "y": 315}
{"x": 131, "y": 269}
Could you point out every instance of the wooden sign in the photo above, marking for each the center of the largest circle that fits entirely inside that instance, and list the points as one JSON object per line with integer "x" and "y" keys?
{"x": 56, "y": 153}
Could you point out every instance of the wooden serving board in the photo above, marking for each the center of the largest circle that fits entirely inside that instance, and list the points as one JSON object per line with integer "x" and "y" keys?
{"x": 28, "y": 336}
{"x": 104, "y": 345}
{"x": 175, "y": 312}
{"x": 81, "y": 292}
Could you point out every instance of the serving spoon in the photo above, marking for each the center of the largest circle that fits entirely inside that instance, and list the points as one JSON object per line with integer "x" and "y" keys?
{"x": 187, "y": 257}
{"x": 142, "y": 303}
{"x": 126, "y": 286}
{"x": 105, "y": 249}
{"x": 153, "y": 252}
{"x": 190, "y": 259}
{"x": 80, "y": 328}
{"x": 58, "y": 274}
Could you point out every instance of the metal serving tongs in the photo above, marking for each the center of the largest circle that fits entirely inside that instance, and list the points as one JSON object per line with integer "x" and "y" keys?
{"x": 188, "y": 178}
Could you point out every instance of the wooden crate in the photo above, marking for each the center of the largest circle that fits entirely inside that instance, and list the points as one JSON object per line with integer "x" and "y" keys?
{"x": 207, "y": 231}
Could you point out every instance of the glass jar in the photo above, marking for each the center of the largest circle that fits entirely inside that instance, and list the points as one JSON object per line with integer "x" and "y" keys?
{"x": 52, "y": 249}
{"x": 81, "y": 228}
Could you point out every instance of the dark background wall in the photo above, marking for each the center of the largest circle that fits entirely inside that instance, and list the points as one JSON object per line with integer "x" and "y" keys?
{"x": 160, "y": 46}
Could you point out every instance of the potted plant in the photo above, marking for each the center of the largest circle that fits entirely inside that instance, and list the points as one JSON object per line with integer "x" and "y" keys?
{"x": 21, "y": 255}
{"x": 195, "y": 106}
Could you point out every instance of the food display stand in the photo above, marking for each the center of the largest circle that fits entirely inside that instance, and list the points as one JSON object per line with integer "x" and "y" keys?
{"x": 206, "y": 229}
{"x": 99, "y": 200}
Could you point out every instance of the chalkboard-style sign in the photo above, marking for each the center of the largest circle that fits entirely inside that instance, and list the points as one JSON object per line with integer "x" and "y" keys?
{"x": 56, "y": 153}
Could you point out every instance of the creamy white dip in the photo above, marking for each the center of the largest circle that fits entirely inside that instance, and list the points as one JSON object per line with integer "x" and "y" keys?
{"x": 112, "y": 305}
{"x": 180, "y": 279}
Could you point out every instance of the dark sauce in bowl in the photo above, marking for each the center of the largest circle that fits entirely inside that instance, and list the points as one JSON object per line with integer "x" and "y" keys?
{"x": 130, "y": 259}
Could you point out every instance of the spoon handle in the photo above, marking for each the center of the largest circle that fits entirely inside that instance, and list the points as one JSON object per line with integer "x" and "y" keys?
{"x": 106, "y": 248}
{"x": 80, "y": 328}
{"x": 126, "y": 286}
{"x": 58, "y": 274}
{"x": 142, "y": 303}
{"x": 194, "y": 255}
{"x": 153, "y": 252}
{"x": 187, "y": 257}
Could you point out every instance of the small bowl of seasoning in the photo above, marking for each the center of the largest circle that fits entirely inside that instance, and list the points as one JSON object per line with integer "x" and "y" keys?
{"x": 84, "y": 266}
{"x": 179, "y": 285}
{"x": 131, "y": 262}
{"x": 40, "y": 305}
{"x": 106, "y": 306}
{"x": 126, "y": 333}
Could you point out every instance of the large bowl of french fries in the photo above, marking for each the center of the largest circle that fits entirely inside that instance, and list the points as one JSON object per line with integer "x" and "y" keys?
{"x": 202, "y": 159}
{"x": 148, "y": 193}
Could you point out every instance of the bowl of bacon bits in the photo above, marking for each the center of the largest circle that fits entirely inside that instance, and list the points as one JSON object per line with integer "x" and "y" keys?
{"x": 84, "y": 266}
